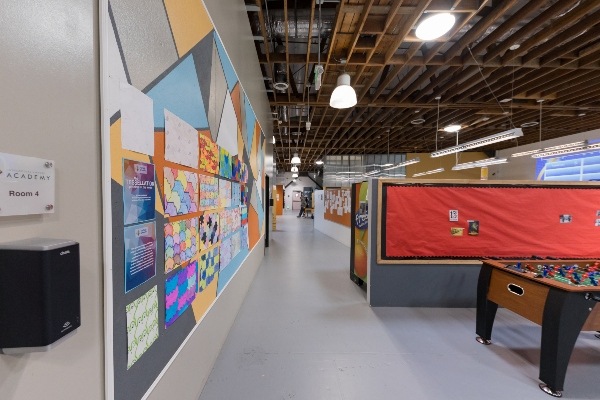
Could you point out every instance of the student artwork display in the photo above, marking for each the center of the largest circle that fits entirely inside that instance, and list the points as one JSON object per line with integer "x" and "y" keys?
{"x": 137, "y": 129}
{"x": 138, "y": 192}
{"x": 244, "y": 173}
{"x": 337, "y": 205}
{"x": 209, "y": 155}
{"x": 209, "y": 230}
{"x": 181, "y": 243}
{"x": 140, "y": 254}
{"x": 244, "y": 237}
{"x": 181, "y": 141}
{"x": 236, "y": 194}
{"x": 236, "y": 169}
{"x": 225, "y": 167}
{"x": 180, "y": 291}
{"x": 225, "y": 193}
{"x": 230, "y": 221}
{"x": 244, "y": 215}
{"x": 209, "y": 192}
{"x": 181, "y": 191}
{"x": 244, "y": 195}
{"x": 230, "y": 248}
{"x": 208, "y": 266}
{"x": 142, "y": 325}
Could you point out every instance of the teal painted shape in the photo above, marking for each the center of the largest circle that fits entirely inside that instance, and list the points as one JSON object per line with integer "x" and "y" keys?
{"x": 249, "y": 122}
{"x": 179, "y": 92}
{"x": 230, "y": 74}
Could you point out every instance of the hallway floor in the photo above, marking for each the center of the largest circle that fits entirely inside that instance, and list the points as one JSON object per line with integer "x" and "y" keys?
{"x": 306, "y": 332}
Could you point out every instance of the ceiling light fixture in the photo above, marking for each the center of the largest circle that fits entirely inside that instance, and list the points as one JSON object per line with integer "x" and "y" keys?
{"x": 498, "y": 137}
{"x": 319, "y": 162}
{"x": 575, "y": 149}
{"x": 417, "y": 121}
{"x": 294, "y": 175}
{"x": 505, "y": 100}
{"x": 514, "y": 47}
{"x": 529, "y": 124}
{"x": 435, "y": 26}
{"x": 295, "y": 159}
{"x": 403, "y": 164}
{"x": 479, "y": 163}
{"x": 294, "y": 169}
{"x": 343, "y": 95}
{"x": 433, "y": 171}
{"x": 452, "y": 128}
{"x": 560, "y": 146}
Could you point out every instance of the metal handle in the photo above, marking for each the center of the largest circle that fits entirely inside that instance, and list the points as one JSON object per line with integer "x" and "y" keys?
{"x": 515, "y": 289}
{"x": 590, "y": 296}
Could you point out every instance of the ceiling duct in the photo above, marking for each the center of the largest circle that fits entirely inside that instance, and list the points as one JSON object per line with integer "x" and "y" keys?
{"x": 280, "y": 83}
{"x": 297, "y": 26}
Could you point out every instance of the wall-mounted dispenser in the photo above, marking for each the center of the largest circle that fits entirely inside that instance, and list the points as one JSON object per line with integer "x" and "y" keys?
{"x": 39, "y": 293}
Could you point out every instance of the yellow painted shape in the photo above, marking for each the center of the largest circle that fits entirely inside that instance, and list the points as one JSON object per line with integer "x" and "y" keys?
{"x": 189, "y": 23}
{"x": 204, "y": 299}
{"x": 117, "y": 154}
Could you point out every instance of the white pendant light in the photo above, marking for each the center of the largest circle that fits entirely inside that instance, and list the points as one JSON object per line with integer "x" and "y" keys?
{"x": 319, "y": 162}
{"x": 294, "y": 169}
{"x": 295, "y": 159}
{"x": 294, "y": 175}
{"x": 435, "y": 26}
{"x": 343, "y": 95}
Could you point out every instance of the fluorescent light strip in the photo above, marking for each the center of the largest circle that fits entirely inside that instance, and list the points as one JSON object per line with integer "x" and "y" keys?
{"x": 479, "y": 163}
{"x": 498, "y": 137}
{"x": 433, "y": 171}
{"x": 569, "y": 150}
{"x": 561, "y": 146}
{"x": 526, "y": 153}
{"x": 402, "y": 164}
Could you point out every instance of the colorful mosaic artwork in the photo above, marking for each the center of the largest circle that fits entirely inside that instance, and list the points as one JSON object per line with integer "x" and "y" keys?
{"x": 181, "y": 242}
{"x": 180, "y": 291}
{"x": 142, "y": 325}
{"x": 230, "y": 221}
{"x": 244, "y": 173}
{"x": 244, "y": 195}
{"x": 225, "y": 193}
{"x": 244, "y": 237}
{"x": 230, "y": 248}
{"x": 236, "y": 169}
{"x": 209, "y": 192}
{"x": 181, "y": 192}
{"x": 225, "y": 168}
{"x": 244, "y": 215}
{"x": 209, "y": 155}
{"x": 209, "y": 230}
{"x": 236, "y": 194}
{"x": 207, "y": 268}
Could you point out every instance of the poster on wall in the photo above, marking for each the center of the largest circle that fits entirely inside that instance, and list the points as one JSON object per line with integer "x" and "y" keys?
{"x": 181, "y": 141}
{"x": 337, "y": 205}
{"x": 140, "y": 254}
{"x": 138, "y": 192}
{"x": 137, "y": 120}
{"x": 181, "y": 242}
{"x": 181, "y": 191}
{"x": 360, "y": 232}
{"x": 180, "y": 291}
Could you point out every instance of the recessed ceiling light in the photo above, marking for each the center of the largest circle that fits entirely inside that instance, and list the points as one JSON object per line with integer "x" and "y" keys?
{"x": 452, "y": 128}
{"x": 485, "y": 119}
{"x": 529, "y": 124}
{"x": 581, "y": 114}
{"x": 505, "y": 100}
{"x": 417, "y": 121}
{"x": 435, "y": 26}
{"x": 514, "y": 47}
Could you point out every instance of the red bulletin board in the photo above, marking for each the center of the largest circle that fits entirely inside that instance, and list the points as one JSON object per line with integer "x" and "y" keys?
{"x": 513, "y": 221}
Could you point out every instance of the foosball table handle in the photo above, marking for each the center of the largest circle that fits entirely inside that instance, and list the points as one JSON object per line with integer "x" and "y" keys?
{"x": 590, "y": 296}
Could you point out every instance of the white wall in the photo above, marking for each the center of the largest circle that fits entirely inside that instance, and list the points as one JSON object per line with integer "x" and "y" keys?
{"x": 523, "y": 168}
{"x": 49, "y": 75}
{"x": 334, "y": 230}
{"x": 299, "y": 185}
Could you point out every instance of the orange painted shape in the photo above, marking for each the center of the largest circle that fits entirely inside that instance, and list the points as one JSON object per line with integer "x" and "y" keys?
{"x": 205, "y": 299}
{"x": 235, "y": 98}
{"x": 240, "y": 145}
{"x": 253, "y": 228}
{"x": 117, "y": 154}
{"x": 189, "y": 23}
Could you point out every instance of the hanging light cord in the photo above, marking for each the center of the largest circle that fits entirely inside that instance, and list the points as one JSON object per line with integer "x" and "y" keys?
{"x": 488, "y": 86}
{"x": 541, "y": 102}
{"x": 437, "y": 123}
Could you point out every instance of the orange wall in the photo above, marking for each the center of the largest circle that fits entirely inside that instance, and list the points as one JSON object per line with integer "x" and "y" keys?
{"x": 279, "y": 192}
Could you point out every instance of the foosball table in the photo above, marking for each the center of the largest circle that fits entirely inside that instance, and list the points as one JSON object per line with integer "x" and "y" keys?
{"x": 559, "y": 295}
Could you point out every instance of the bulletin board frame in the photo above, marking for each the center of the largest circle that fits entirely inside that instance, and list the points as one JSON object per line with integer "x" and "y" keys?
{"x": 433, "y": 234}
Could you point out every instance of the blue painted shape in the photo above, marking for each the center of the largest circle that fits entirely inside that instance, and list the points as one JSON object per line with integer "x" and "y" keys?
{"x": 226, "y": 274}
{"x": 250, "y": 120}
{"x": 179, "y": 92}
{"x": 230, "y": 75}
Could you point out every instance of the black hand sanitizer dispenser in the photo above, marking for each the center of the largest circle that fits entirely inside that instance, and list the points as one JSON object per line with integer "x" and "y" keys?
{"x": 39, "y": 293}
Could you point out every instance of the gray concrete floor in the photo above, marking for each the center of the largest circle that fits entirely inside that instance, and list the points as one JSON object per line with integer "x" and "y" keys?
{"x": 306, "y": 332}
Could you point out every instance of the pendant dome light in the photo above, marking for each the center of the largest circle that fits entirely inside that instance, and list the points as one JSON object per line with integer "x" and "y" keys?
{"x": 295, "y": 159}
{"x": 435, "y": 26}
{"x": 343, "y": 95}
{"x": 294, "y": 169}
{"x": 294, "y": 175}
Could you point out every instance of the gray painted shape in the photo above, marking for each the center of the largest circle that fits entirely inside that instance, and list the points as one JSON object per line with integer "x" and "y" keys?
{"x": 242, "y": 120}
{"x": 218, "y": 89}
{"x": 203, "y": 53}
{"x": 136, "y": 21}
{"x": 132, "y": 384}
{"x": 417, "y": 285}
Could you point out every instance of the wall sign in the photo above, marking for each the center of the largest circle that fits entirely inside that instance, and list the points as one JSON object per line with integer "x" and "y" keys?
{"x": 26, "y": 185}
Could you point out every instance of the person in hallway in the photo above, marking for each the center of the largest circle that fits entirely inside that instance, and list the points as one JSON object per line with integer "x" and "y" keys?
{"x": 303, "y": 203}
